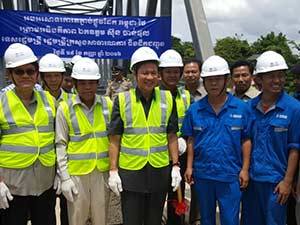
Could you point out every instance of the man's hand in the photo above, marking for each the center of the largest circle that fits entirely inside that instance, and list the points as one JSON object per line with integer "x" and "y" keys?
{"x": 69, "y": 190}
{"x": 188, "y": 176}
{"x": 176, "y": 177}
{"x": 114, "y": 182}
{"x": 283, "y": 189}
{"x": 244, "y": 178}
{"x": 57, "y": 184}
{"x": 4, "y": 195}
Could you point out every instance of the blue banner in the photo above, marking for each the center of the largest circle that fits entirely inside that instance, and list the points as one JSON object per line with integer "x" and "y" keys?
{"x": 105, "y": 37}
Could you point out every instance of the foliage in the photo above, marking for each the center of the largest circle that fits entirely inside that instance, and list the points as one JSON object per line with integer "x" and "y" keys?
{"x": 278, "y": 43}
{"x": 186, "y": 49}
{"x": 233, "y": 49}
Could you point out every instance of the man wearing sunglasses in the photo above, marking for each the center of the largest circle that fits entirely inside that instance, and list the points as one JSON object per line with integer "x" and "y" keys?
{"x": 27, "y": 156}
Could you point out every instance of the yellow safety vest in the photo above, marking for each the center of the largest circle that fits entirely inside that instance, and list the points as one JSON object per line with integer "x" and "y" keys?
{"x": 183, "y": 101}
{"x": 66, "y": 95}
{"x": 144, "y": 140}
{"x": 25, "y": 139}
{"x": 88, "y": 144}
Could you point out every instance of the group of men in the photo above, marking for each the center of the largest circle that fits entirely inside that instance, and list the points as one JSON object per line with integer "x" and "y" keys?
{"x": 142, "y": 145}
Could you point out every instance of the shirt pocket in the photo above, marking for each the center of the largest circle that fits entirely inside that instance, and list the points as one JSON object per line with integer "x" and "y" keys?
{"x": 279, "y": 126}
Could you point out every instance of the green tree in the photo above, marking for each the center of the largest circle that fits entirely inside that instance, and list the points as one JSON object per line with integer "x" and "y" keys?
{"x": 186, "y": 49}
{"x": 233, "y": 49}
{"x": 278, "y": 43}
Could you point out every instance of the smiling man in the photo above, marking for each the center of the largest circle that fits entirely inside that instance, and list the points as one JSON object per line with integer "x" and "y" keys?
{"x": 27, "y": 156}
{"x": 142, "y": 136}
{"x": 276, "y": 138}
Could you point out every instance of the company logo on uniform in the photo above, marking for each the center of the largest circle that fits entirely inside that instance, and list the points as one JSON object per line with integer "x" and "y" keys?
{"x": 236, "y": 116}
{"x": 281, "y": 116}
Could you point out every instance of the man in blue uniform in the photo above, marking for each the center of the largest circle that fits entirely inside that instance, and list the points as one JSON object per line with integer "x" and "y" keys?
{"x": 276, "y": 138}
{"x": 219, "y": 145}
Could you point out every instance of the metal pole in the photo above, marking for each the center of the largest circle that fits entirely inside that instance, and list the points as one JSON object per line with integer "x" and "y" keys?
{"x": 199, "y": 29}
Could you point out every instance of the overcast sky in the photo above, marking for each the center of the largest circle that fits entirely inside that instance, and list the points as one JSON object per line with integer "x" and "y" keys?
{"x": 249, "y": 19}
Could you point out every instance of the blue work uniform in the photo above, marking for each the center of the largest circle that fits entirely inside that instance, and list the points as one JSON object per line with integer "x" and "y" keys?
{"x": 275, "y": 133}
{"x": 218, "y": 156}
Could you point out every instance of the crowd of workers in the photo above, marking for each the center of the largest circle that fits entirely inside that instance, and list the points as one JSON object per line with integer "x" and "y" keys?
{"x": 115, "y": 159}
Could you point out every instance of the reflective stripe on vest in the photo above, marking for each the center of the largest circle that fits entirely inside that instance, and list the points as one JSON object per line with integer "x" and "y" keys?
{"x": 31, "y": 148}
{"x": 82, "y": 162}
{"x": 182, "y": 105}
{"x": 144, "y": 139}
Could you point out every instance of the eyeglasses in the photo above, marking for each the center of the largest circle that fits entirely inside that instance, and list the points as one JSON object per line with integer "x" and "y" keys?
{"x": 21, "y": 72}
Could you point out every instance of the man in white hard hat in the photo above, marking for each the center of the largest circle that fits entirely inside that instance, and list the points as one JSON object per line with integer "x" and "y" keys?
{"x": 27, "y": 156}
{"x": 142, "y": 135}
{"x": 276, "y": 138}
{"x": 52, "y": 70}
{"x": 219, "y": 145}
{"x": 170, "y": 69}
{"x": 82, "y": 147}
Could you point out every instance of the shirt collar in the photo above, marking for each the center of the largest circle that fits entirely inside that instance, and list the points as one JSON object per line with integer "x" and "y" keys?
{"x": 77, "y": 101}
{"x": 174, "y": 94}
{"x": 280, "y": 103}
{"x": 203, "y": 105}
{"x": 139, "y": 96}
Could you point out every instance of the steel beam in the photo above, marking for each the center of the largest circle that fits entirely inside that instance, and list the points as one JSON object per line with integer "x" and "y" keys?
{"x": 199, "y": 29}
{"x": 151, "y": 8}
{"x": 165, "y": 7}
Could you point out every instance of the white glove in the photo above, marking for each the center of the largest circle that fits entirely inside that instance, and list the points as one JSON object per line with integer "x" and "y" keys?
{"x": 69, "y": 190}
{"x": 176, "y": 177}
{"x": 4, "y": 195}
{"x": 57, "y": 184}
{"x": 114, "y": 182}
{"x": 181, "y": 146}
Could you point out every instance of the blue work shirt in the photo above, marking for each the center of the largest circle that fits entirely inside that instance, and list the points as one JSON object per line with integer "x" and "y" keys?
{"x": 217, "y": 138}
{"x": 274, "y": 133}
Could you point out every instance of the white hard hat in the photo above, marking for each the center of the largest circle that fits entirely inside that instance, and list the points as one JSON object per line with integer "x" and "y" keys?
{"x": 18, "y": 54}
{"x": 143, "y": 54}
{"x": 75, "y": 58}
{"x": 270, "y": 61}
{"x": 51, "y": 63}
{"x": 85, "y": 69}
{"x": 170, "y": 58}
{"x": 214, "y": 66}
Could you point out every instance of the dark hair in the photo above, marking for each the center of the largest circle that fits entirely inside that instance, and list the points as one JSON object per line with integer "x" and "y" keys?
{"x": 242, "y": 63}
{"x": 193, "y": 60}
{"x": 295, "y": 70}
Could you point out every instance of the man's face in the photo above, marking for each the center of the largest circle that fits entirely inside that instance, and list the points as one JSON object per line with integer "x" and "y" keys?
{"x": 191, "y": 73}
{"x": 272, "y": 82}
{"x": 87, "y": 89}
{"x": 242, "y": 79}
{"x": 67, "y": 83}
{"x": 24, "y": 77}
{"x": 117, "y": 74}
{"x": 147, "y": 77}
{"x": 170, "y": 77}
{"x": 297, "y": 83}
{"x": 215, "y": 85}
{"x": 53, "y": 80}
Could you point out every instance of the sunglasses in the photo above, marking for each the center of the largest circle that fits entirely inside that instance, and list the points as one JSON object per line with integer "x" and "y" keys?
{"x": 21, "y": 72}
